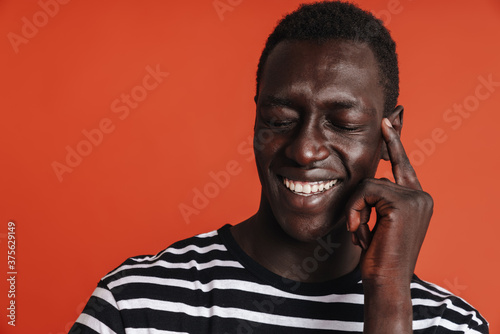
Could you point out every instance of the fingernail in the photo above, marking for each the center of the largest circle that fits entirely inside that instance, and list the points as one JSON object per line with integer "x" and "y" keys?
{"x": 387, "y": 122}
{"x": 362, "y": 244}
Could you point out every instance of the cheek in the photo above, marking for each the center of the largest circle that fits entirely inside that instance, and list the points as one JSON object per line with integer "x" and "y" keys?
{"x": 263, "y": 158}
{"x": 267, "y": 147}
{"x": 263, "y": 140}
{"x": 363, "y": 157}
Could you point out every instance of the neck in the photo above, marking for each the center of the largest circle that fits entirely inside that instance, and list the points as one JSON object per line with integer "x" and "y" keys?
{"x": 326, "y": 258}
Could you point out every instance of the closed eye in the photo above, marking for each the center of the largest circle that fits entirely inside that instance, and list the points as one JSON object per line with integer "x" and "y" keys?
{"x": 343, "y": 127}
{"x": 280, "y": 125}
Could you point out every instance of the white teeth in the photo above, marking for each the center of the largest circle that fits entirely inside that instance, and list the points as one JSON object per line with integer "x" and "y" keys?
{"x": 308, "y": 188}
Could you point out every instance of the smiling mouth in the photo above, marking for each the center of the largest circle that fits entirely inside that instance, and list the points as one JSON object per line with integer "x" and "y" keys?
{"x": 305, "y": 188}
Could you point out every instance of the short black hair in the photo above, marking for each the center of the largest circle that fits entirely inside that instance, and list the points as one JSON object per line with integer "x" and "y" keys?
{"x": 340, "y": 20}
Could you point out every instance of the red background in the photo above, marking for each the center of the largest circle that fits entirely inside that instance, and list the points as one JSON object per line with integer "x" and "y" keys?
{"x": 123, "y": 198}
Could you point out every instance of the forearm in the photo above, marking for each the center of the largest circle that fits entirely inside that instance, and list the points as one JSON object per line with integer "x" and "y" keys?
{"x": 388, "y": 309}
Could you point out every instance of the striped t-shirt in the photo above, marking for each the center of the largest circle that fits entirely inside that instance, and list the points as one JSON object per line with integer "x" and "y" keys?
{"x": 207, "y": 284}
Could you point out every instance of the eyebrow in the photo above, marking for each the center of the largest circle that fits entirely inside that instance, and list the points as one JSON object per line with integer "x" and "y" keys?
{"x": 271, "y": 100}
{"x": 348, "y": 104}
{"x": 341, "y": 104}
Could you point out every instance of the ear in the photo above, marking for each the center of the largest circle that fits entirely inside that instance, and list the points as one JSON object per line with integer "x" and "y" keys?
{"x": 255, "y": 99}
{"x": 396, "y": 119}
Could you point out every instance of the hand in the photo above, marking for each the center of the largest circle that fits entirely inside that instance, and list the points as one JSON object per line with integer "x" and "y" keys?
{"x": 403, "y": 210}
{"x": 390, "y": 251}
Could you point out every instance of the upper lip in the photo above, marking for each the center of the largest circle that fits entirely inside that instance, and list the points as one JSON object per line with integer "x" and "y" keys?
{"x": 309, "y": 176}
{"x": 309, "y": 181}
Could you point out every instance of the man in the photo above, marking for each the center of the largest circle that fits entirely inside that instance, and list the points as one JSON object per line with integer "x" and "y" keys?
{"x": 327, "y": 89}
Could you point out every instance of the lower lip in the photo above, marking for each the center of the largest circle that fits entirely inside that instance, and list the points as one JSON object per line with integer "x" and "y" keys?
{"x": 310, "y": 194}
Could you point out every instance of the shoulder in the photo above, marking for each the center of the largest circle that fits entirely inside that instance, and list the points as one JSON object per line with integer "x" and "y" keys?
{"x": 436, "y": 307}
{"x": 183, "y": 257}
{"x": 145, "y": 286}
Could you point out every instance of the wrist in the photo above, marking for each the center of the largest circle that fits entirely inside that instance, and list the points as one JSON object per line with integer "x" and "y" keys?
{"x": 388, "y": 308}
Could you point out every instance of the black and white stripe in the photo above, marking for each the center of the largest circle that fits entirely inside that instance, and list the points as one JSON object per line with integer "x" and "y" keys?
{"x": 207, "y": 284}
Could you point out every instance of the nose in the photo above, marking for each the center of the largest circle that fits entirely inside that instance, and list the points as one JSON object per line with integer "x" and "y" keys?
{"x": 308, "y": 145}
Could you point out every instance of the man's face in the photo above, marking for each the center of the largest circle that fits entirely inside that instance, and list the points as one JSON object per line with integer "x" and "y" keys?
{"x": 317, "y": 132}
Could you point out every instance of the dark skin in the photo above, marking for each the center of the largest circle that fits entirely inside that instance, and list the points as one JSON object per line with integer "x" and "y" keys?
{"x": 321, "y": 109}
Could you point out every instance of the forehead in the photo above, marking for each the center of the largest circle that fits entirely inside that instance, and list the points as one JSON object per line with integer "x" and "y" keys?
{"x": 323, "y": 70}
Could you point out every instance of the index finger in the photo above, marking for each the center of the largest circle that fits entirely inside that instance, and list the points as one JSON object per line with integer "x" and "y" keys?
{"x": 403, "y": 171}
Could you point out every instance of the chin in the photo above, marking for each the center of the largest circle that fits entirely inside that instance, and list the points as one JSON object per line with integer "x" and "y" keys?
{"x": 309, "y": 230}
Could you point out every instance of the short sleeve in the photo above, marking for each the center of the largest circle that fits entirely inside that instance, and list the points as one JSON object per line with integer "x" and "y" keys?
{"x": 482, "y": 329}
{"x": 100, "y": 315}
